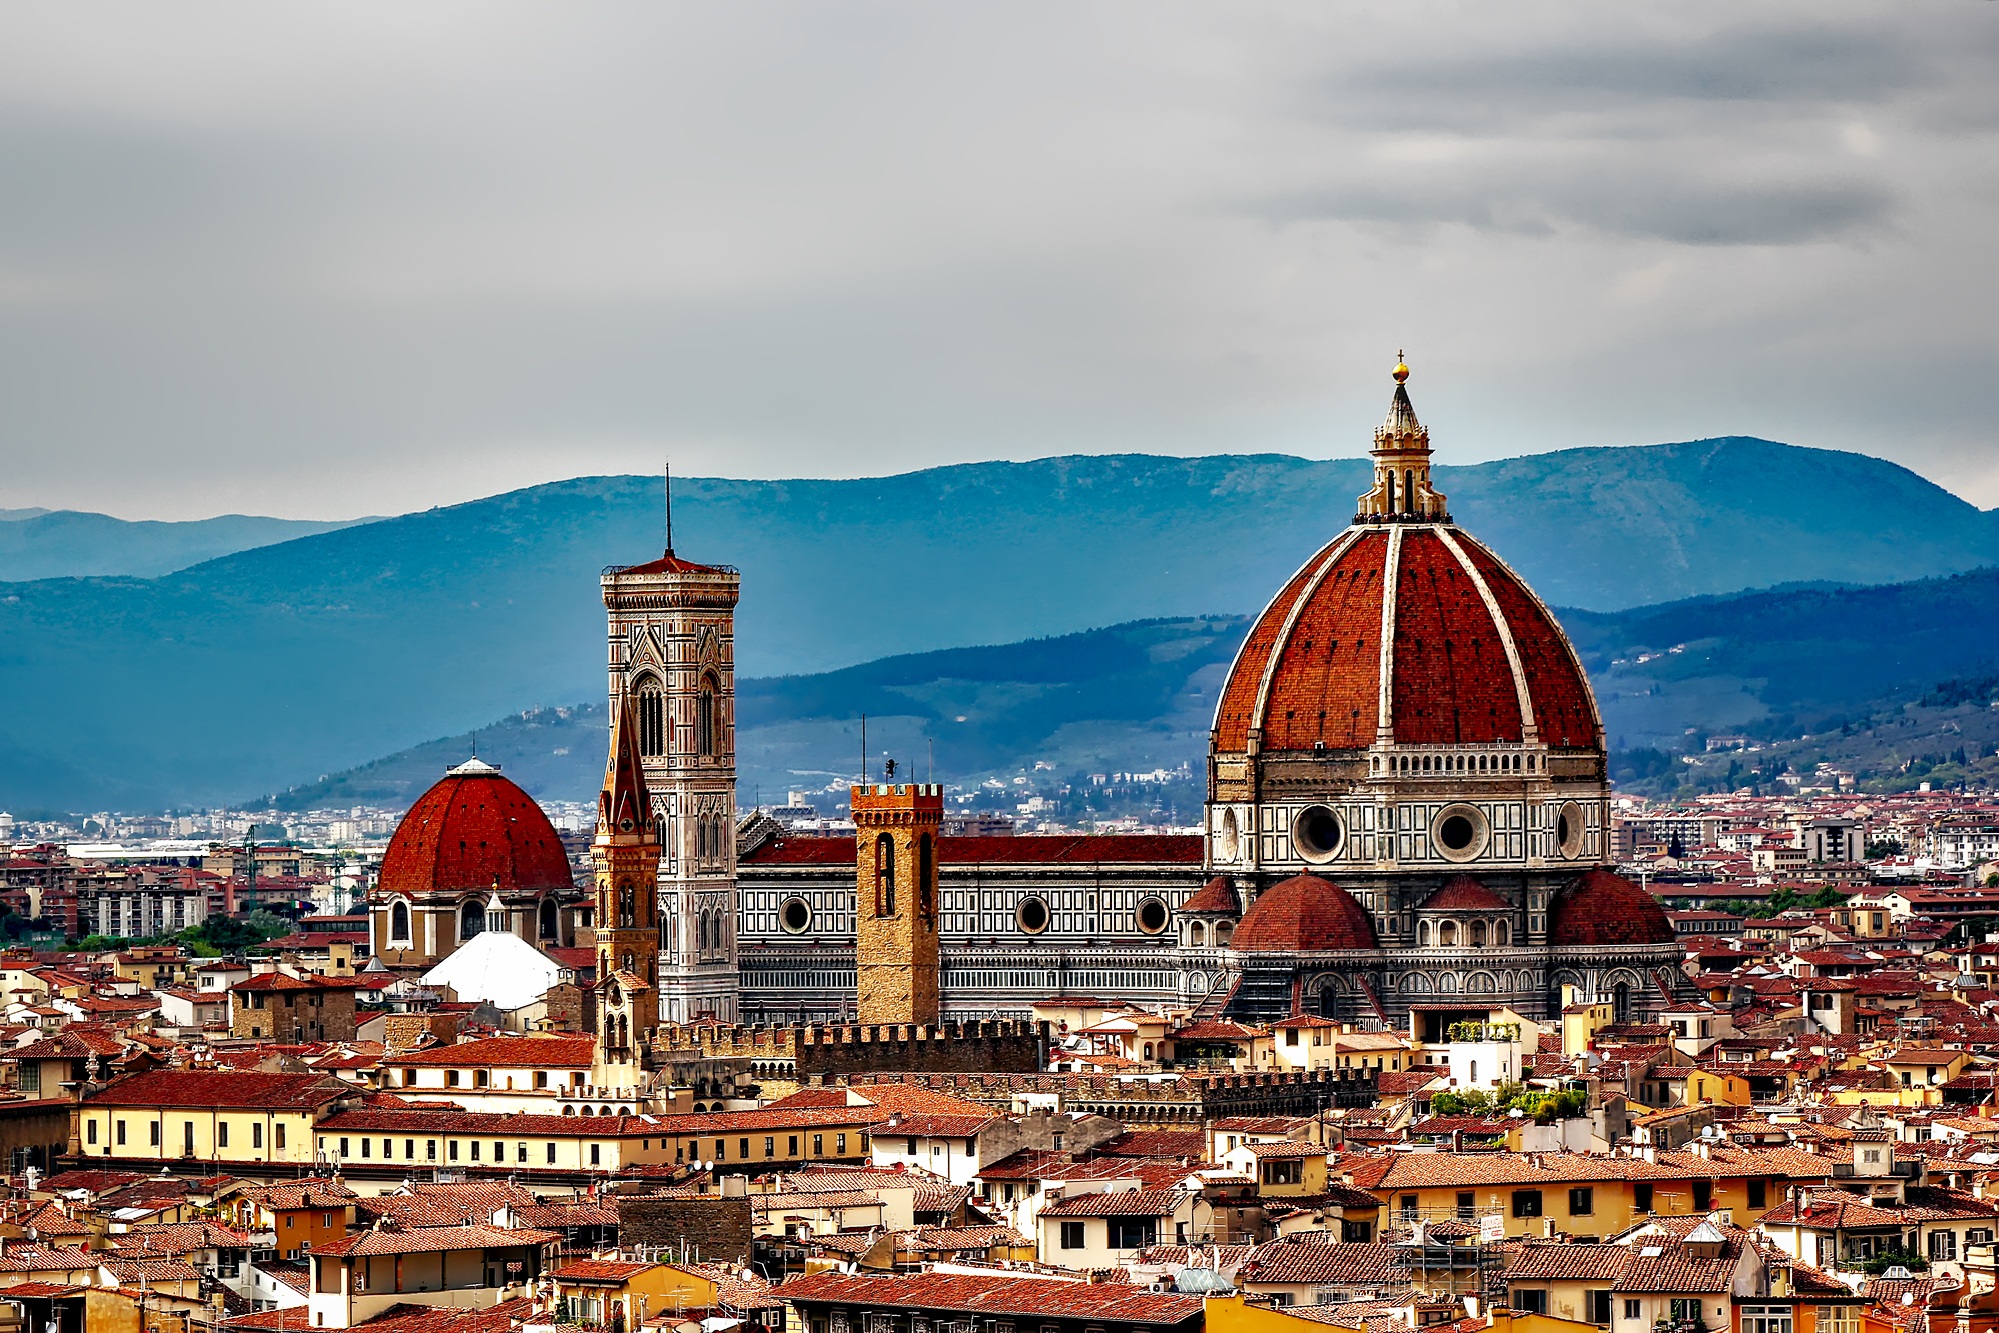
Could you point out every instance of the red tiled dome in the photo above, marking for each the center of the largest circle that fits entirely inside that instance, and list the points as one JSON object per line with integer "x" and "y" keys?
{"x": 1304, "y": 913}
{"x": 1310, "y": 670}
{"x": 1216, "y": 898}
{"x": 475, "y": 829}
{"x": 1599, "y": 907}
{"x": 1465, "y": 894}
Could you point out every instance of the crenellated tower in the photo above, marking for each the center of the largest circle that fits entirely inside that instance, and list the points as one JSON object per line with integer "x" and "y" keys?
{"x": 626, "y": 857}
{"x": 895, "y": 901}
{"x": 672, "y": 661}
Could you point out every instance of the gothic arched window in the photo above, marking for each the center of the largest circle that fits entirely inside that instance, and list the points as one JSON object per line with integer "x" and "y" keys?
{"x": 926, "y": 877}
{"x": 399, "y": 923}
{"x": 627, "y": 906}
{"x": 885, "y": 875}
{"x": 705, "y": 721}
{"x": 652, "y": 717}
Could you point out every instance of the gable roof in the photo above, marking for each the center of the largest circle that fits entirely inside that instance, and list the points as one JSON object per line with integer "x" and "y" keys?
{"x": 235, "y": 1089}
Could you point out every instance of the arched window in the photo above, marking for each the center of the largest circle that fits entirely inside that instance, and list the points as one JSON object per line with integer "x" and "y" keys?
{"x": 1391, "y": 492}
{"x": 471, "y": 919}
{"x": 652, "y": 717}
{"x": 1197, "y": 935}
{"x": 926, "y": 876}
{"x": 1620, "y": 1001}
{"x": 1409, "y": 491}
{"x": 627, "y": 906}
{"x": 1501, "y": 933}
{"x": 885, "y": 875}
{"x": 399, "y": 923}
{"x": 1447, "y": 934}
{"x": 701, "y": 933}
{"x": 628, "y": 960}
{"x": 548, "y": 919}
{"x": 1423, "y": 934}
{"x": 1478, "y": 934}
{"x": 705, "y": 721}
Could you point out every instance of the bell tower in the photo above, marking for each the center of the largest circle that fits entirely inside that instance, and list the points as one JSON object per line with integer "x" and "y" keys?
{"x": 672, "y": 657}
{"x": 625, "y": 857}
{"x": 895, "y": 901}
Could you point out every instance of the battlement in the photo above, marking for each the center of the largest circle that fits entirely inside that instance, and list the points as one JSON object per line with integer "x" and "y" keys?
{"x": 877, "y": 802}
{"x": 1158, "y": 1098}
{"x": 854, "y": 1048}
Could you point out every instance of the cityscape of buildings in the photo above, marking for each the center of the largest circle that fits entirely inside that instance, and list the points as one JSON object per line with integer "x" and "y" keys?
{"x": 1422, "y": 1026}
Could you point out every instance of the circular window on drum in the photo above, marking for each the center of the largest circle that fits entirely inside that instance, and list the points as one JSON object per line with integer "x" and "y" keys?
{"x": 1318, "y": 833}
{"x": 1460, "y": 832}
{"x": 1153, "y": 916}
{"x": 1031, "y": 916}
{"x": 1569, "y": 830}
{"x": 795, "y": 916}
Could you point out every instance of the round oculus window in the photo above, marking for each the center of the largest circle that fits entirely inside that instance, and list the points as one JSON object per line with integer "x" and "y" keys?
{"x": 1318, "y": 833}
{"x": 1460, "y": 832}
{"x": 1569, "y": 831}
{"x": 1152, "y": 916}
{"x": 1031, "y": 916}
{"x": 795, "y": 916}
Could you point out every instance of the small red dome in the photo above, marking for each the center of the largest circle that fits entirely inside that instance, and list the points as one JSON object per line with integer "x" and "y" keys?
{"x": 1599, "y": 907}
{"x": 1310, "y": 670}
{"x": 1301, "y": 914}
{"x": 1465, "y": 894}
{"x": 1216, "y": 898}
{"x": 474, "y": 830}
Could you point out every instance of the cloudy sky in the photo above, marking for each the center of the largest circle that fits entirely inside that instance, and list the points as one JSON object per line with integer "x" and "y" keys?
{"x": 323, "y": 260}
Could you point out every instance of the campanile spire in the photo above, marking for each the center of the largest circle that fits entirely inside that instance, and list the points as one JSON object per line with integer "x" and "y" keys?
{"x": 1401, "y": 456}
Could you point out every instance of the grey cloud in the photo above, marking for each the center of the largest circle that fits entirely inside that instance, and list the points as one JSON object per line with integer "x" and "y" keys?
{"x": 1621, "y": 202}
{"x": 1597, "y": 70}
{"x": 330, "y": 261}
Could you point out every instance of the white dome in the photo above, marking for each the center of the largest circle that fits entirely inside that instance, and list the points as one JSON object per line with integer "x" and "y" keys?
{"x": 496, "y": 967}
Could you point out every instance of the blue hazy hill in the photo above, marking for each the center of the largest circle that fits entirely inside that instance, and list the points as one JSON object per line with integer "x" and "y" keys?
{"x": 65, "y": 543}
{"x": 1877, "y": 675}
{"x": 269, "y": 668}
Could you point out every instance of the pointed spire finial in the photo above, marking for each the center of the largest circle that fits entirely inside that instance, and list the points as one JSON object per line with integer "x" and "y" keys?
{"x": 622, "y": 805}
{"x": 1401, "y": 371}
{"x": 667, "y": 476}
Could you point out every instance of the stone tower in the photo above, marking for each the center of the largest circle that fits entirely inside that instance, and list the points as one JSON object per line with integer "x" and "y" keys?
{"x": 672, "y": 659}
{"x": 895, "y": 901}
{"x": 626, "y": 856}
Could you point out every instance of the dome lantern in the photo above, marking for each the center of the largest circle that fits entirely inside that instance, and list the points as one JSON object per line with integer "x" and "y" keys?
{"x": 1401, "y": 456}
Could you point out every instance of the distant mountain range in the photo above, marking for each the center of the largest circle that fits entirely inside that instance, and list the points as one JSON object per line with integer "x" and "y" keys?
{"x": 55, "y": 544}
{"x": 1134, "y": 697}
{"x": 270, "y": 668}
{"x": 1882, "y": 681}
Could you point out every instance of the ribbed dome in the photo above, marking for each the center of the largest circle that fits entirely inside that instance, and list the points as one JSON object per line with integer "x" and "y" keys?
{"x": 1310, "y": 670}
{"x": 474, "y": 830}
{"x": 1602, "y": 908}
{"x": 1301, "y": 914}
